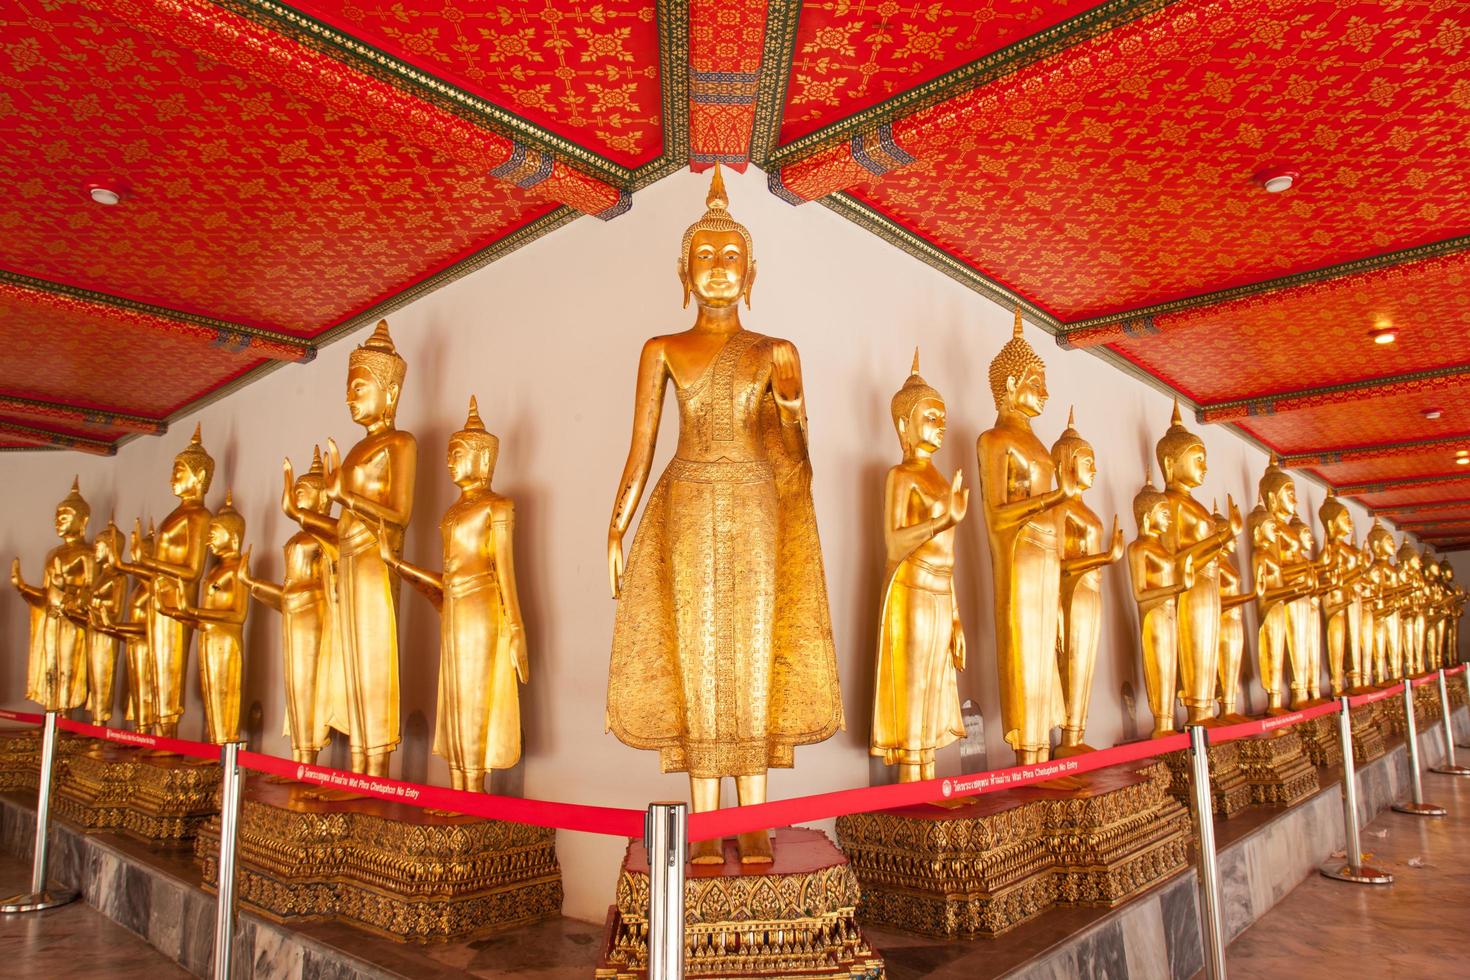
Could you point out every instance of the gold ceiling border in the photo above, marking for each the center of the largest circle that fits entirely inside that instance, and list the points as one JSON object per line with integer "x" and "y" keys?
{"x": 983, "y": 71}
{"x": 777, "y": 54}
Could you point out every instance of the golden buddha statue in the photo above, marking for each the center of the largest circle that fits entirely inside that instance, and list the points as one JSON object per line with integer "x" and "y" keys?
{"x": 1411, "y": 608}
{"x": 1455, "y": 607}
{"x": 1275, "y": 589}
{"x": 373, "y": 484}
{"x": 1311, "y": 622}
{"x": 921, "y": 644}
{"x": 1084, "y": 555}
{"x": 1191, "y": 530}
{"x": 1233, "y": 596}
{"x": 722, "y": 653}
{"x": 316, "y": 692}
{"x": 1388, "y": 637}
{"x": 220, "y": 619}
{"x": 56, "y": 676}
{"x": 1159, "y": 576}
{"x": 1433, "y": 614}
{"x": 130, "y": 625}
{"x": 1278, "y": 492}
{"x": 1367, "y": 657}
{"x": 109, "y": 590}
{"x": 482, "y": 637}
{"x": 173, "y": 568}
{"x": 1340, "y": 604}
{"x": 1021, "y": 520}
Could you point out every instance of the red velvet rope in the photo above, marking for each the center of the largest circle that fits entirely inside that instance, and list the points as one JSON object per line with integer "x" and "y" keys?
{"x": 622, "y": 822}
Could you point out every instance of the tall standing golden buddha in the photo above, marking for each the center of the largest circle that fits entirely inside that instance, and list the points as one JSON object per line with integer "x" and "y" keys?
{"x": 373, "y": 485}
{"x": 482, "y": 636}
{"x": 316, "y": 692}
{"x": 220, "y": 619}
{"x": 1085, "y": 553}
{"x": 108, "y": 591}
{"x": 1235, "y": 592}
{"x": 1311, "y": 623}
{"x": 130, "y": 625}
{"x": 1192, "y": 531}
{"x": 722, "y": 654}
{"x": 56, "y": 675}
{"x": 1159, "y": 575}
{"x": 1411, "y": 607}
{"x": 921, "y": 644}
{"x": 1341, "y": 605}
{"x": 1021, "y": 518}
{"x": 1388, "y": 638}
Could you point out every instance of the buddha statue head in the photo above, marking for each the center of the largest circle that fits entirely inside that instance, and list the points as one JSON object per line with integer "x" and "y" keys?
{"x": 1074, "y": 458}
{"x": 1262, "y": 526}
{"x": 717, "y": 257}
{"x": 1337, "y": 520}
{"x": 1018, "y": 376}
{"x": 1181, "y": 455}
{"x": 919, "y": 415}
{"x": 1278, "y": 490}
{"x": 375, "y": 379}
{"x": 1302, "y": 531}
{"x": 72, "y": 513}
{"x": 1446, "y": 572}
{"x": 310, "y": 491}
{"x": 226, "y": 529}
{"x": 108, "y": 548}
{"x": 1380, "y": 542}
{"x": 193, "y": 470}
{"x": 473, "y": 452}
{"x": 1431, "y": 569}
{"x": 1150, "y": 510}
{"x": 1408, "y": 556}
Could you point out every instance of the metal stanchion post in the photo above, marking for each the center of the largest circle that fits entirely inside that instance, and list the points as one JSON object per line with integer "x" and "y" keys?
{"x": 1449, "y": 767}
{"x": 1416, "y": 805}
{"x": 1355, "y": 870}
{"x": 666, "y": 838}
{"x": 40, "y": 897}
{"x": 1211, "y": 926}
{"x": 229, "y": 824}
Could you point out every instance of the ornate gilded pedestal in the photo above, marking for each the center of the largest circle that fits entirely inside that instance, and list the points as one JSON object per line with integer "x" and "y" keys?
{"x": 1427, "y": 709}
{"x": 1003, "y": 858}
{"x": 1320, "y": 741}
{"x": 157, "y": 798}
{"x": 1277, "y": 769}
{"x": 1368, "y": 742}
{"x": 20, "y": 757}
{"x": 793, "y": 918}
{"x": 399, "y": 871}
{"x": 1229, "y": 788}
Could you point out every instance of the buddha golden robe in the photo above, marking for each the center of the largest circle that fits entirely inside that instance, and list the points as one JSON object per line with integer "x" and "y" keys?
{"x": 316, "y": 690}
{"x": 722, "y": 646}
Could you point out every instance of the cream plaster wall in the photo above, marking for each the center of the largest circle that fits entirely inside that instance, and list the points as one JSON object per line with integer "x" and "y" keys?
{"x": 548, "y": 338}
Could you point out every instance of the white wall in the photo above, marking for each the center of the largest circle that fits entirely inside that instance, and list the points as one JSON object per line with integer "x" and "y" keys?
{"x": 548, "y": 338}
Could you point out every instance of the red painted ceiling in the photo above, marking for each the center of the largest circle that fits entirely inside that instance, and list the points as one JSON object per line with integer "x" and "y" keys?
{"x": 286, "y": 169}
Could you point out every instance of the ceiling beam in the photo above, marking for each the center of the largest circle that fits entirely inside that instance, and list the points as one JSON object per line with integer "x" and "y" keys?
{"x": 1384, "y": 486}
{"x": 1393, "y": 512}
{"x": 1426, "y": 382}
{"x": 63, "y": 412}
{"x": 1357, "y": 454}
{"x": 248, "y": 342}
{"x": 45, "y": 437}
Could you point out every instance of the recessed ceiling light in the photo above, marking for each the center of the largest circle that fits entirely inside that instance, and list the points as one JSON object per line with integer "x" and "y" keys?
{"x": 1277, "y": 179}
{"x": 1384, "y": 335}
{"x": 1462, "y": 461}
{"x": 103, "y": 195}
{"x": 1433, "y": 413}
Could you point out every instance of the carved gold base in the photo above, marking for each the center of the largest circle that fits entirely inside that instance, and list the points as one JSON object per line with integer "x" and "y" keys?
{"x": 792, "y": 919}
{"x": 1456, "y": 686}
{"x": 395, "y": 870}
{"x": 1368, "y": 741}
{"x": 156, "y": 798}
{"x": 1277, "y": 769}
{"x": 1320, "y": 741}
{"x": 1427, "y": 709}
{"x": 1229, "y": 790}
{"x": 20, "y": 757}
{"x": 987, "y": 866}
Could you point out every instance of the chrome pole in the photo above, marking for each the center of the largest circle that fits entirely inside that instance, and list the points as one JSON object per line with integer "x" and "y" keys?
{"x": 1209, "y": 874}
{"x": 40, "y": 898}
{"x": 666, "y": 838}
{"x": 229, "y": 825}
{"x": 1449, "y": 767}
{"x": 1416, "y": 805}
{"x": 1354, "y": 870}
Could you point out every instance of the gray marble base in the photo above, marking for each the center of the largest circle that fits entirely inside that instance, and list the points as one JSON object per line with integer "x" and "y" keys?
{"x": 156, "y": 894}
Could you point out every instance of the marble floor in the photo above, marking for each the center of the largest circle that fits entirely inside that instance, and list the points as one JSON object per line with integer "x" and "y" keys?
{"x": 75, "y": 941}
{"x": 1416, "y": 927}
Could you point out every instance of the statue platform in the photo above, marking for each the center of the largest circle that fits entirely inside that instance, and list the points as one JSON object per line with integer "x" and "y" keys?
{"x": 1320, "y": 741}
{"x": 1277, "y": 767}
{"x": 1368, "y": 738}
{"x": 793, "y": 918}
{"x": 1230, "y": 792}
{"x": 20, "y": 756}
{"x": 156, "y": 797}
{"x": 409, "y": 874}
{"x": 983, "y": 866}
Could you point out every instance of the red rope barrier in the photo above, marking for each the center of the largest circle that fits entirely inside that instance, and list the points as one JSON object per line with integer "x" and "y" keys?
{"x": 611, "y": 821}
{"x": 24, "y": 717}
{"x": 142, "y": 740}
